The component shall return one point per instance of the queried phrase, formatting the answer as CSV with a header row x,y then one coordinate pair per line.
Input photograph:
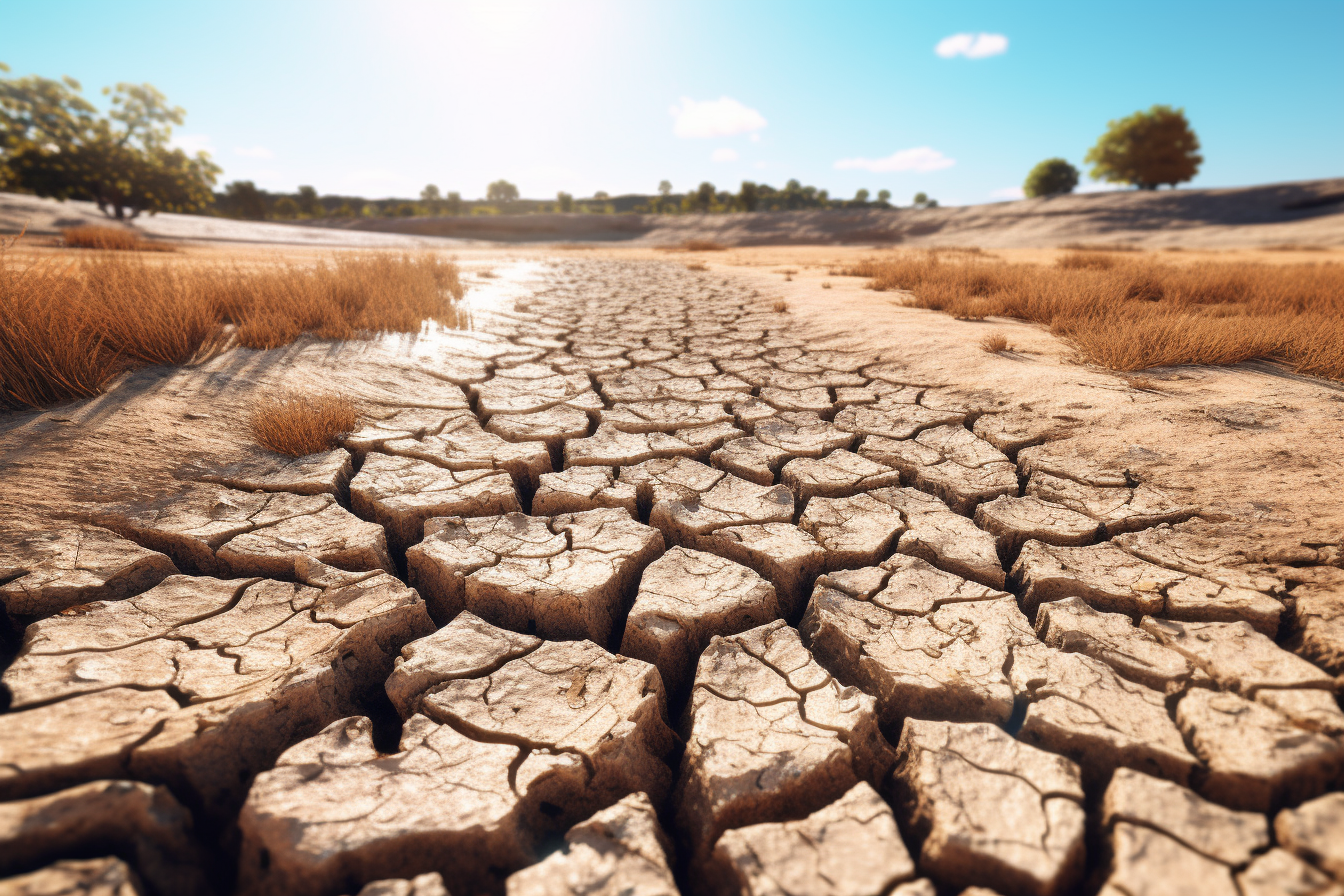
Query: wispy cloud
x,y
1007,193
723,155
723,117
253,152
972,46
919,158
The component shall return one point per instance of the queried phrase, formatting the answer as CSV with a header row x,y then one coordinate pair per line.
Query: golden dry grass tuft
x,y
299,424
69,325
779,306
995,342
697,266
695,246
112,239
1136,311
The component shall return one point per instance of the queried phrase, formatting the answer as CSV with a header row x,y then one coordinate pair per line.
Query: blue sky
x,y
381,98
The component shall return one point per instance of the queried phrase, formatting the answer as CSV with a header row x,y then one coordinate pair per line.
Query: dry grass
x,y
697,266
69,325
1137,311
995,342
780,306
113,239
300,424
695,246
1101,247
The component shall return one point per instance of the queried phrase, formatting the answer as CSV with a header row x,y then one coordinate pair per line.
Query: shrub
x,y
299,424
1050,178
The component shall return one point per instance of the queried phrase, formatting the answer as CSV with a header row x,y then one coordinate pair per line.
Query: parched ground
x,y
658,580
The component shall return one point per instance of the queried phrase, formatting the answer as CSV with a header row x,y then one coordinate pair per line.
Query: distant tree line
x,y
243,199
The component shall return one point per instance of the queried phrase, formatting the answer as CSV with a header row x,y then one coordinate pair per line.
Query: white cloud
x,y
1008,193
253,152
920,158
755,138
723,117
972,46
724,155
191,143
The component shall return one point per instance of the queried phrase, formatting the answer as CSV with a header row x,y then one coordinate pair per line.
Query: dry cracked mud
x,y
635,587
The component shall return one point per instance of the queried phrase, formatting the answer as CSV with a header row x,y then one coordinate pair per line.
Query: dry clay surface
x,y
635,588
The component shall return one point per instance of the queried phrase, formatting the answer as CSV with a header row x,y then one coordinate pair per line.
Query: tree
x,y
1147,149
664,188
601,196
309,204
565,201
747,198
921,198
501,191
286,207
242,199
1050,178
430,194
453,203
53,143
861,197
704,197
884,198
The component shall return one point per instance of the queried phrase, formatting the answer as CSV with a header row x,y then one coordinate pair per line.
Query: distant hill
x,y
1304,213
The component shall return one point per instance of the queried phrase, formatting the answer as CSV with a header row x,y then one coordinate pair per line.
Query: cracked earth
x,y
637,588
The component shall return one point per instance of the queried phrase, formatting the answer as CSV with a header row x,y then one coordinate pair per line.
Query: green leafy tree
x,y
1050,178
884,198
242,199
704,197
1147,149
747,197
286,207
452,203
601,196
309,205
664,188
501,191
565,201
921,198
53,143
861,198
430,194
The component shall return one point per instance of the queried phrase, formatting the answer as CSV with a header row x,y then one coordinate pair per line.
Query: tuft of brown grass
x,y
1142,384
1138,311
696,266
995,342
299,424
825,284
70,325
1101,247
780,306
695,246
111,239
1090,261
